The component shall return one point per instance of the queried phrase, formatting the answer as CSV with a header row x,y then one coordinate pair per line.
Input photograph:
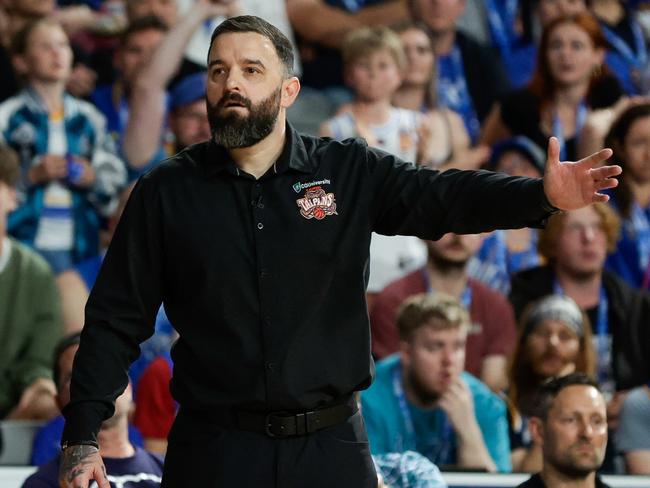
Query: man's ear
x,y
290,90
536,427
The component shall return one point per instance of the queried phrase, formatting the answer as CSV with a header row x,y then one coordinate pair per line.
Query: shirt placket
x,y
261,233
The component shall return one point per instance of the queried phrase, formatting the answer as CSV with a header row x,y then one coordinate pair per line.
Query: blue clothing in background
x,y
47,442
632,256
116,122
389,431
494,264
453,91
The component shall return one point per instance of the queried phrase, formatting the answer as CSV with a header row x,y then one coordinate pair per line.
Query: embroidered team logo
x,y
316,204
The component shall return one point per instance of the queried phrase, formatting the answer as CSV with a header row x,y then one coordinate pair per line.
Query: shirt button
x,y
270,366
260,225
264,273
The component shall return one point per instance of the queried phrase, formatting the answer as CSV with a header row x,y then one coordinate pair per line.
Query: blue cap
x,y
188,90
524,146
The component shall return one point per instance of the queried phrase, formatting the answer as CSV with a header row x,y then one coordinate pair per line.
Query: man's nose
x,y
233,82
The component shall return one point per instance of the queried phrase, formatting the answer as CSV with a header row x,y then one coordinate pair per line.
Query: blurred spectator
x,y
629,137
30,315
535,15
70,173
125,462
47,442
575,244
504,252
627,56
421,399
80,22
570,424
137,44
492,335
633,433
187,111
470,75
165,10
407,469
569,82
554,340
445,131
374,59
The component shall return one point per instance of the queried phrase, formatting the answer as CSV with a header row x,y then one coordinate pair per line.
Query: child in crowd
x,y
70,172
374,61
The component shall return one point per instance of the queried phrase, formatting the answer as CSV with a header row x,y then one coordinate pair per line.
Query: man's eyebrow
x,y
256,62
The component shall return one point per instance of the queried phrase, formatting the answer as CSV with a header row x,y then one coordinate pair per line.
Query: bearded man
x,y
257,244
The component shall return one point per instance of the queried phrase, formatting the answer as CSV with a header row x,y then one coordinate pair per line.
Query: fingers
x,y
596,159
553,151
101,478
605,172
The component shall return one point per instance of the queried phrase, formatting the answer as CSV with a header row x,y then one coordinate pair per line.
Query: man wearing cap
x,y
187,116
257,243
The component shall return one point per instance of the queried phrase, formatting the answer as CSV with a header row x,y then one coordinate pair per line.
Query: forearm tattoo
x,y
75,461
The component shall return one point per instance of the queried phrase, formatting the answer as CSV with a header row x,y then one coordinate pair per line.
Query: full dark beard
x,y
232,131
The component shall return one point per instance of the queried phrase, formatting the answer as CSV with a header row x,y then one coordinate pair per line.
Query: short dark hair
x,y
9,166
549,390
65,342
141,24
251,23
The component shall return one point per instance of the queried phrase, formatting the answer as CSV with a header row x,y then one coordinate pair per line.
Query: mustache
x,y
234,97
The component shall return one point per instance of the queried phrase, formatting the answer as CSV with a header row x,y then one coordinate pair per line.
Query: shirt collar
x,y
293,156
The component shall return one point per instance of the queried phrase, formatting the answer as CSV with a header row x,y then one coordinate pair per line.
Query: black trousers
x,y
203,455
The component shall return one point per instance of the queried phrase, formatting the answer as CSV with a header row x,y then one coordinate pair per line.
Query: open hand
x,y
572,185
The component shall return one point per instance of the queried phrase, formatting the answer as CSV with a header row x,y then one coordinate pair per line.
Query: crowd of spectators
x,y
466,329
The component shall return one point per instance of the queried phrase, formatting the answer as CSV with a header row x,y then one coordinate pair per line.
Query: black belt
x,y
287,424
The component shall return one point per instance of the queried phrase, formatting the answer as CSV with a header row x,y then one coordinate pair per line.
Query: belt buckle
x,y
267,424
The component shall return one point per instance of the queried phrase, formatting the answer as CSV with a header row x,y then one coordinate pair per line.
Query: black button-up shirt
x,y
264,279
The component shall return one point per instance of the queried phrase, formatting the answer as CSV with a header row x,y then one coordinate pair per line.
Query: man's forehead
x,y
579,398
242,45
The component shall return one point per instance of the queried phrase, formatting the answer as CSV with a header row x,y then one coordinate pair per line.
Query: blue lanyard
x,y
501,17
637,60
602,323
558,130
465,299
410,441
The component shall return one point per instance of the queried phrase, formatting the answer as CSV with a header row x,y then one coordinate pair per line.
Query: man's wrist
x,y
66,444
